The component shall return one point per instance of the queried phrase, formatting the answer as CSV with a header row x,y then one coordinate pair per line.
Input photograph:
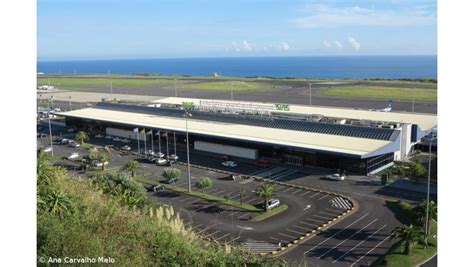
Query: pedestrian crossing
x,y
340,202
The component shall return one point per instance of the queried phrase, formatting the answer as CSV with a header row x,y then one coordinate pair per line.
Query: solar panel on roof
x,y
278,123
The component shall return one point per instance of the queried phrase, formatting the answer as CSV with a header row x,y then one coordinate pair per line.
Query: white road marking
x,y
292,237
310,224
305,193
360,243
307,207
340,243
340,231
286,190
315,215
304,228
315,195
289,230
244,216
186,199
296,191
330,214
325,196
309,219
380,243
245,227
223,236
213,233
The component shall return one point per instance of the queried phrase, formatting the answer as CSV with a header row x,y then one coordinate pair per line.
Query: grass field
x,y
380,92
70,83
226,85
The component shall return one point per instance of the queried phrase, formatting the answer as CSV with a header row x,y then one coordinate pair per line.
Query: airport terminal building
x,y
352,140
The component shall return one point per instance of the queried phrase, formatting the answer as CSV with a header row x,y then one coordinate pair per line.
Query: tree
x,y
171,173
81,136
265,191
102,158
419,213
417,171
409,235
204,183
132,166
123,187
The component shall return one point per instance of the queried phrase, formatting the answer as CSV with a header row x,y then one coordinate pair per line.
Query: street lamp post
x,y
186,114
428,193
50,135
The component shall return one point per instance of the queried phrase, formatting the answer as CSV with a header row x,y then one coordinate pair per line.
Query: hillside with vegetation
x,y
110,216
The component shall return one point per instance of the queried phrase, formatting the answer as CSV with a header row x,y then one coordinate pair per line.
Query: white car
x,y
159,154
108,137
65,141
273,203
126,148
125,140
161,161
98,136
336,177
74,155
150,152
74,144
229,163
173,157
118,139
47,149
97,163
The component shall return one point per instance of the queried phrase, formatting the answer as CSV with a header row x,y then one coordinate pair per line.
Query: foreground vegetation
x,y
110,216
413,247
380,92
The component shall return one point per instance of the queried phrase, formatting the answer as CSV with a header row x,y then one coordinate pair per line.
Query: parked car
x,y
47,149
74,144
161,161
71,130
173,157
262,163
158,187
97,163
172,181
117,139
126,148
125,140
234,176
150,152
336,177
74,155
273,203
108,137
65,141
159,154
43,135
151,159
230,164
98,136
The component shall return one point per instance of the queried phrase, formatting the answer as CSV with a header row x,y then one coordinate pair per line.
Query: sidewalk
x,y
407,185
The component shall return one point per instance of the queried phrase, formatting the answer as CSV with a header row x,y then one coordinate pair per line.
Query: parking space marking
x,y
186,199
376,246
325,196
219,192
289,230
310,224
360,243
336,211
316,215
280,239
286,190
233,239
330,214
296,191
307,192
289,236
309,219
223,236
340,243
213,233
250,201
304,228
212,190
315,195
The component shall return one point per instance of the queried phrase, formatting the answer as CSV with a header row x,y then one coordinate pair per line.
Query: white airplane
x,y
387,109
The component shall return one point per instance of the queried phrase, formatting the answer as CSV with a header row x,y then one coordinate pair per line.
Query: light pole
x,y
50,135
428,193
152,148
175,88
232,90
174,140
70,103
413,100
186,114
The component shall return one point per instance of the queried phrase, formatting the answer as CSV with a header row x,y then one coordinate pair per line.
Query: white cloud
x,y
246,46
327,44
324,16
337,44
236,47
354,43
285,46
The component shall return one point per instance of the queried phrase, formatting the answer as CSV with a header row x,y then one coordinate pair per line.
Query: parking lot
x,y
306,209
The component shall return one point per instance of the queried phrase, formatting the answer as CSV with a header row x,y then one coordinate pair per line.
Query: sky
x,y
124,29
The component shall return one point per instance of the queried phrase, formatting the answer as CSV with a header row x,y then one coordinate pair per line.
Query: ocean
x,y
339,67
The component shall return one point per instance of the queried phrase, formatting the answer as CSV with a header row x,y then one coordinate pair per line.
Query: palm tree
x,y
102,158
57,202
265,191
409,235
419,213
132,166
171,173
81,136
204,183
